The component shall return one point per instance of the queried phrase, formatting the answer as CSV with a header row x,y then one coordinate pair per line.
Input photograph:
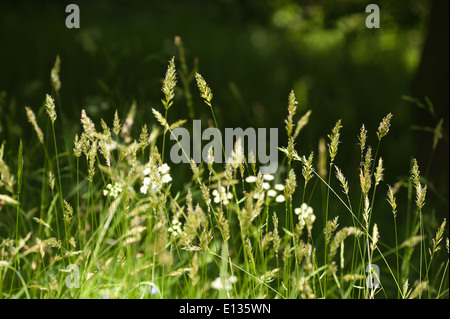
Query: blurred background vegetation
x,y
251,53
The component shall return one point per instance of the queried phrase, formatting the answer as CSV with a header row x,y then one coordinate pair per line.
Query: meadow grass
x,y
108,205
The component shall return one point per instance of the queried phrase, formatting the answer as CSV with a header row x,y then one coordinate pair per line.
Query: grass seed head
x,y
362,138
50,107
302,123
375,237
88,125
54,75
32,120
291,184
334,140
342,180
391,200
383,128
116,124
205,91
379,172
292,107
169,84
307,170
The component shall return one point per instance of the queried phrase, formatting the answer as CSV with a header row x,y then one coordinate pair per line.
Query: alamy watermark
x,y
73,279
373,19
234,143
373,276
73,19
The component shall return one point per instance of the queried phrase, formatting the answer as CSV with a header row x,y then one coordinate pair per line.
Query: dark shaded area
x,y
430,80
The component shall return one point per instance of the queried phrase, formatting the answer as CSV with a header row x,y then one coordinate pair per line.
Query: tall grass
x,y
227,231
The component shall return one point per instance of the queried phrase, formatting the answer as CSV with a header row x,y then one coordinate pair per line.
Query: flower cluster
x,y
272,193
175,229
221,195
112,191
152,181
306,216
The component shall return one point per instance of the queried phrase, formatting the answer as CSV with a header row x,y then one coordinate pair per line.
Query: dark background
x,y
251,53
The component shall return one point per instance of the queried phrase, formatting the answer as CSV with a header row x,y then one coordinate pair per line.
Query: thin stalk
x,y
164,139
325,223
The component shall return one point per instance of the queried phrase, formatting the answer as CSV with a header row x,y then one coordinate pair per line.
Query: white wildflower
x,y
152,181
251,179
175,229
144,189
112,191
266,186
221,195
306,215
271,193
166,179
163,169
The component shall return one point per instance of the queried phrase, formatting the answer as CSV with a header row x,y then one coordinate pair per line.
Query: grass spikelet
x,y
302,123
116,124
68,212
342,180
195,171
339,237
169,84
415,173
7,199
375,237
50,107
291,184
330,228
437,134
379,172
276,236
161,120
128,124
307,170
364,173
438,238
383,128
205,239
322,159
362,139
43,223
32,120
334,140
205,91
366,212
54,75
269,276
6,179
91,159
405,288
88,125
287,253
292,107
121,258
223,225
266,241
420,190
392,201
420,287
105,151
